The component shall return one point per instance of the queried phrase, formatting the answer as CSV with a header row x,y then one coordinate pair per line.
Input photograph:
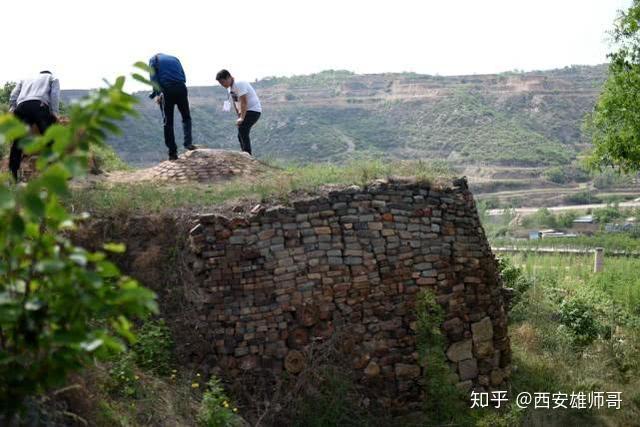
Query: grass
x,y
149,197
548,357
608,241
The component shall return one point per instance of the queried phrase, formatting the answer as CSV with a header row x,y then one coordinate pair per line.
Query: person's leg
x,y
243,137
240,135
244,130
182,100
167,107
43,118
27,112
15,158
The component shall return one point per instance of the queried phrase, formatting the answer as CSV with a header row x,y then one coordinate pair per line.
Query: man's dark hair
x,y
223,74
45,72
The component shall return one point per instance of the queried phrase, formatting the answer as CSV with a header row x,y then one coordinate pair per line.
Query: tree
x,y
60,305
5,92
614,124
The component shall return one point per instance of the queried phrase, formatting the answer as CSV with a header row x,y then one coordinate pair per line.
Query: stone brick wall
x,y
351,260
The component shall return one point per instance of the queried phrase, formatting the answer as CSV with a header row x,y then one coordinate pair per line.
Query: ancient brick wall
x,y
351,260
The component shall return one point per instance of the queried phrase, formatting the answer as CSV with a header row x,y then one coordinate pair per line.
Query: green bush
x,y
577,315
444,403
543,217
608,214
566,174
106,160
215,408
565,219
333,403
60,305
514,277
153,348
582,198
122,380
610,178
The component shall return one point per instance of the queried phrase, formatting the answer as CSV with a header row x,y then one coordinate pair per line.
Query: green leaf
x,y
11,128
17,225
7,200
118,248
33,305
123,327
61,136
50,266
55,212
34,204
107,269
91,345
55,179
79,258
143,66
33,146
120,82
142,79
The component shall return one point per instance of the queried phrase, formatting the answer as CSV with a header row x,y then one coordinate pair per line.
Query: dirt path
x,y
351,144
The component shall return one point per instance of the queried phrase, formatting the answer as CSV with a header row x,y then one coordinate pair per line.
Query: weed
x,y
216,409
153,348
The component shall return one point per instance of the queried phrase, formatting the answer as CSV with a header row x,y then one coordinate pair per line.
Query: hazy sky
x,y
85,41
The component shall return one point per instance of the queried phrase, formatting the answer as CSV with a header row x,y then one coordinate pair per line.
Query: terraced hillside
x,y
515,119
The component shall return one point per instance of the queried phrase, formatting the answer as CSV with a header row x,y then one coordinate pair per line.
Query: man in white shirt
x,y
36,102
246,104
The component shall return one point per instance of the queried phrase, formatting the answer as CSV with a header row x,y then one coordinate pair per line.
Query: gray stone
x,y
407,371
482,330
468,369
460,350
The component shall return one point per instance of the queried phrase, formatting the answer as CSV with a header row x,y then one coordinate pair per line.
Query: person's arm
x,y
13,98
242,92
153,75
54,97
243,108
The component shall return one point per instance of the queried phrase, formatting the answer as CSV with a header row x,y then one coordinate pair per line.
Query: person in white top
x,y
36,102
246,104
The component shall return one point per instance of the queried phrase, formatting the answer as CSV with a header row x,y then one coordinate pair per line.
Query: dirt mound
x,y
201,165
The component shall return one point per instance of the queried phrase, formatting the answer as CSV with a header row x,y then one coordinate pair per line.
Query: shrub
x,y
577,315
565,219
122,377
444,402
608,214
332,403
566,174
514,277
107,160
153,348
609,178
60,305
582,198
542,217
215,409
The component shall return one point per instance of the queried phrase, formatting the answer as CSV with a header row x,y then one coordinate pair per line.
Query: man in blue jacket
x,y
167,73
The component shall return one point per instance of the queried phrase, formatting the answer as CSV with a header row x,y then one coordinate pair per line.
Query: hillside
x,y
517,119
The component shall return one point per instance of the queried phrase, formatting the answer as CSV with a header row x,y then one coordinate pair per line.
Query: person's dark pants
x,y
250,119
32,113
175,95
